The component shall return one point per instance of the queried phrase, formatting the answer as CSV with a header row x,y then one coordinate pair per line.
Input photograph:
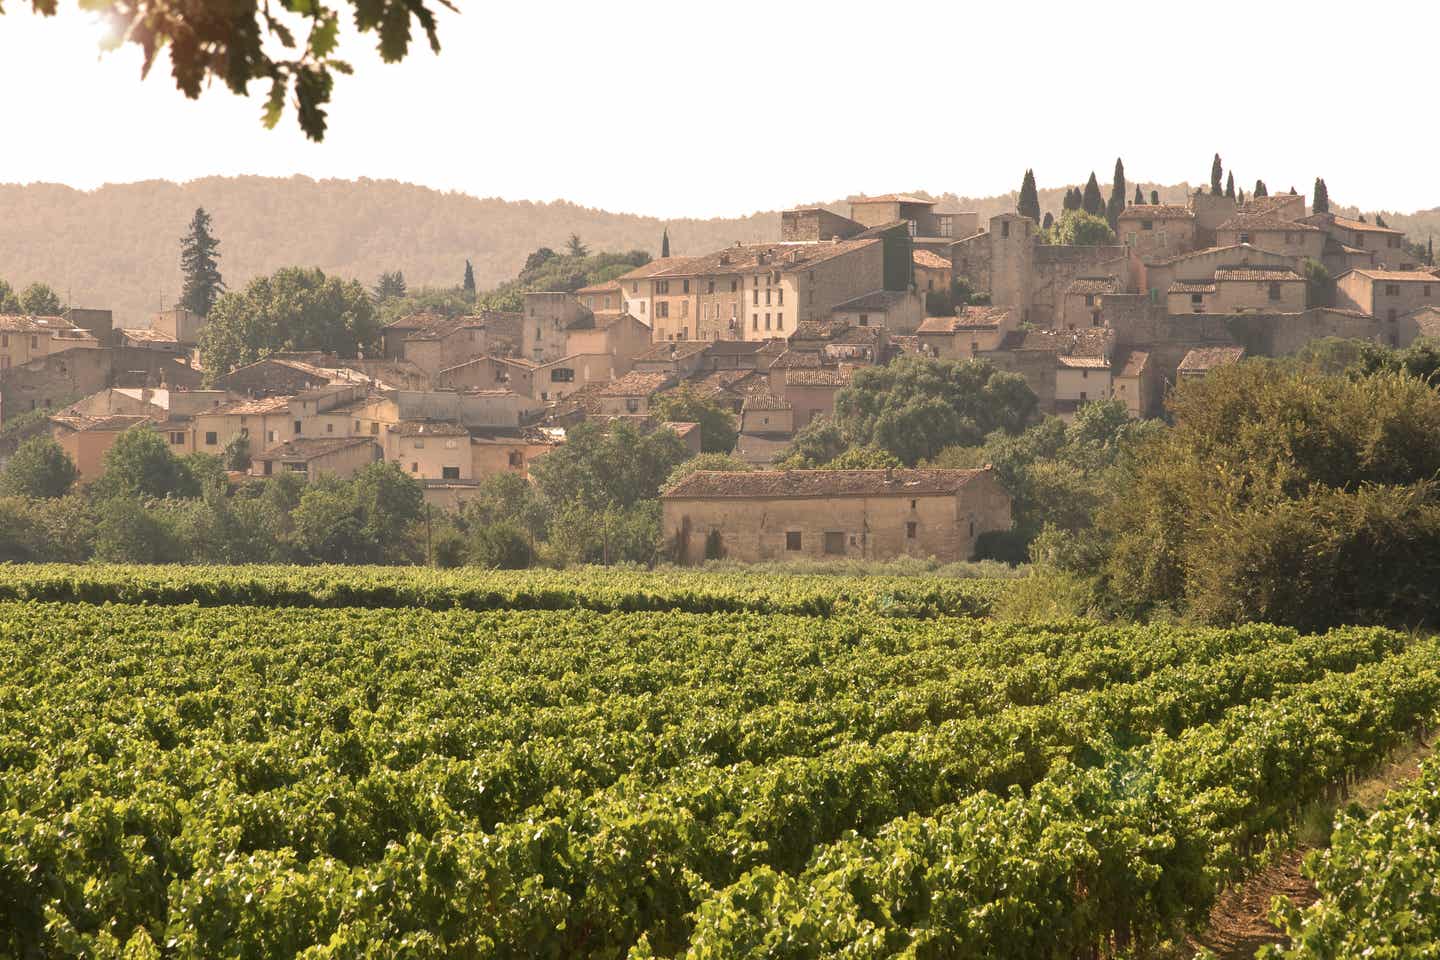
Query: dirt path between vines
x,y
1239,923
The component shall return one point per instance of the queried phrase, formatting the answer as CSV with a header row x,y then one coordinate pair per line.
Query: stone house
x,y
932,271
1080,379
631,394
918,214
1388,294
1295,239
616,335
1155,277
179,325
149,339
604,297
830,514
636,290
689,434
763,412
1387,243
88,439
430,449
898,311
1157,229
679,358
25,338
1286,206
1036,356
813,224
434,341
70,374
264,422
494,453
1132,383
1239,290
973,331
811,393
316,456
1084,304
1210,211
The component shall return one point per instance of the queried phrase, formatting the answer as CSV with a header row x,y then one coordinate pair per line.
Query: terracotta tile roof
x,y
1396,276
586,398
1257,273
797,359
787,257
906,344
1208,358
430,428
894,198
930,260
875,299
972,318
1083,363
609,286
1266,222
1134,364
680,428
763,399
251,408
113,423
146,335
635,384
1091,285
1211,251
305,449
24,323
1087,342
1333,246
1157,211
817,378
817,330
433,326
1192,286
736,348
654,268
674,350
1345,223
777,484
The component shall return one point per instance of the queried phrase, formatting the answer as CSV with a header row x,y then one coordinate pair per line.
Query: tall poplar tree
x,y
199,253
1028,205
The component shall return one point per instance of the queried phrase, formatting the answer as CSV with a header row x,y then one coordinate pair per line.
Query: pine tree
x,y
1321,201
1028,204
1116,204
468,284
1216,170
390,285
1155,197
1260,190
665,244
575,247
198,255
1139,197
1091,201
1230,185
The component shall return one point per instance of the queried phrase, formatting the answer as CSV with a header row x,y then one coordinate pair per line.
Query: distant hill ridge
x,y
117,246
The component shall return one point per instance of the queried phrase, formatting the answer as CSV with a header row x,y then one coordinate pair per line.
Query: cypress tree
x,y
198,253
1139,197
1321,201
1260,190
1380,221
1155,197
1430,250
1116,205
1230,185
1362,218
1215,172
1240,196
1091,201
1293,193
468,284
665,244
1028,205
1072,199
1049,221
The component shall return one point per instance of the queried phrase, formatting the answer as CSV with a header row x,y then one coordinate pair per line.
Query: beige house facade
x,y
1387,294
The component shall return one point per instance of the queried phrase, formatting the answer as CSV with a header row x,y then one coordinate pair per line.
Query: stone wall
x,y
71,374
1054,268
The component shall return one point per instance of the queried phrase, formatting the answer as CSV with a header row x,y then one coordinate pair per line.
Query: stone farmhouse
x,y
830,514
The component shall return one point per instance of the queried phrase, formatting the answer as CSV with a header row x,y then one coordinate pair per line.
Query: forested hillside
x,y
117,246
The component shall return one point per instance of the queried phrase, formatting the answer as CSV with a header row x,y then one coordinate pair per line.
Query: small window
x,y
1089,299
211,439
562,375
1390,314
329,428
835,542
792,540
1244,238
1274,291
1147,224
684,286
297,428
419,443
450,473
1004,234
414,467
269,436
632,405
864,319
913,503
1197,299
910,528
177,438
375,427
779,321
1392,289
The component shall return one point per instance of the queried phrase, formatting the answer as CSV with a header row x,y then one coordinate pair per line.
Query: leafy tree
x,y
1260,190
39,468
293,309
665,244
1028,204
327,525
598,468
128,532
818,442
9,302
237,454
139,464
1139,197
506,498
538,259
1116,204
248,42
1217,170
575,247
391,286
467,286
389,500
706,461
449,301
1076,227
39,300
718,430
21,539
1155,197
917,406
1320,203
199,251
863,458
1092,202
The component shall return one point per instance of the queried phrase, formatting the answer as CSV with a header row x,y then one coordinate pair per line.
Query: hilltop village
x,y
771,332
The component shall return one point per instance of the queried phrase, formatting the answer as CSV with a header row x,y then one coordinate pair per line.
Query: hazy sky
x,y
675,109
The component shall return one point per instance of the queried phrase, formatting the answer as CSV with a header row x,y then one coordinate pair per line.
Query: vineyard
x,y
265,762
